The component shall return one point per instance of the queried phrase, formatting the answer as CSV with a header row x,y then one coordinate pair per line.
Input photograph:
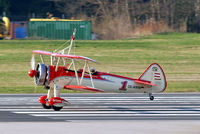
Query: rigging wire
x,y
59,48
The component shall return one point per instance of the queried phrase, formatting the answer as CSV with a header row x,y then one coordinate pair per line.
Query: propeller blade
x,y
33,62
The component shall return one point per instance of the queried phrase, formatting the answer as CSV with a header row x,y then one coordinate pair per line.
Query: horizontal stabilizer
x,y
144,82
82,88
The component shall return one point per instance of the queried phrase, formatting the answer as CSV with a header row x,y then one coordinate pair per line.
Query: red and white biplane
x,y
67,76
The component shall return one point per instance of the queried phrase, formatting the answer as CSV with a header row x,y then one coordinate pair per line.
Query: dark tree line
x,y
123,17
19,10
119,18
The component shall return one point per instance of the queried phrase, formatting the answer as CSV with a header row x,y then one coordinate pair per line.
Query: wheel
x,y
46,107
56,108
151,97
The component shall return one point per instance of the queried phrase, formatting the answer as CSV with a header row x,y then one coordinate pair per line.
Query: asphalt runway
x,y
103,113
96,107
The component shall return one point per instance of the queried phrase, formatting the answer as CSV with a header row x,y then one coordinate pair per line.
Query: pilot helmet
x,y
92,69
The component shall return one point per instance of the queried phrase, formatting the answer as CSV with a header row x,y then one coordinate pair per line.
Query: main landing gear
x,y
53,107
55,103
151,97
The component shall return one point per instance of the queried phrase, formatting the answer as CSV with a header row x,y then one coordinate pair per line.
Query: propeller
x,y
32,72
33,62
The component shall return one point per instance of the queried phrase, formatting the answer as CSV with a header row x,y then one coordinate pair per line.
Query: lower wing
x,y
82,88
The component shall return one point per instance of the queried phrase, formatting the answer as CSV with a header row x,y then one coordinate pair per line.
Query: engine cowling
x,y
41,75
40,78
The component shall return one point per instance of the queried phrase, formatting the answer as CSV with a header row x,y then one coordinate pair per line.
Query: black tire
x,y
46,107
151,98
56,108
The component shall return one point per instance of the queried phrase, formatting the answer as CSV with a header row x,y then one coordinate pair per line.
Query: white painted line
x,y
184,97
21,107
110,115
41,109
97,109
114,100
71,107
130,103
112,109
112,112
146,98
118,97
134,102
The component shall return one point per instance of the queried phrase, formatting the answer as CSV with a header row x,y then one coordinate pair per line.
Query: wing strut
x,y
90,76
42,59
83,73
57,64
85,68
77,79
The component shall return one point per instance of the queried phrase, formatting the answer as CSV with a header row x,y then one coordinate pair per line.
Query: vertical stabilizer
x,y
155,74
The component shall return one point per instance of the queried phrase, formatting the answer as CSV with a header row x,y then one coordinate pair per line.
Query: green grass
x,y
177,53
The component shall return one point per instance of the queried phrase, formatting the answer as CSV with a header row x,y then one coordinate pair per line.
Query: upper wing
x,y
82,88
42,52
63,55
144,82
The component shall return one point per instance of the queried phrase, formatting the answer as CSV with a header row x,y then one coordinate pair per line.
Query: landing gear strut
x,y
151,97
56,103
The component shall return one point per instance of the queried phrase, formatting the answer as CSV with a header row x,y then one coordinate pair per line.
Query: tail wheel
x,y
46,107
56,108
151,97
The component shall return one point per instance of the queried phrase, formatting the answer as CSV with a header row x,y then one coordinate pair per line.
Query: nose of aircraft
x,y
32,73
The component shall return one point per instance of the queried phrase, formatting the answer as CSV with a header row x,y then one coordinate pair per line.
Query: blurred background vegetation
x,y
113,19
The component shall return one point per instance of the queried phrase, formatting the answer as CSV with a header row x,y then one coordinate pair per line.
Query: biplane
x,y
63,73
